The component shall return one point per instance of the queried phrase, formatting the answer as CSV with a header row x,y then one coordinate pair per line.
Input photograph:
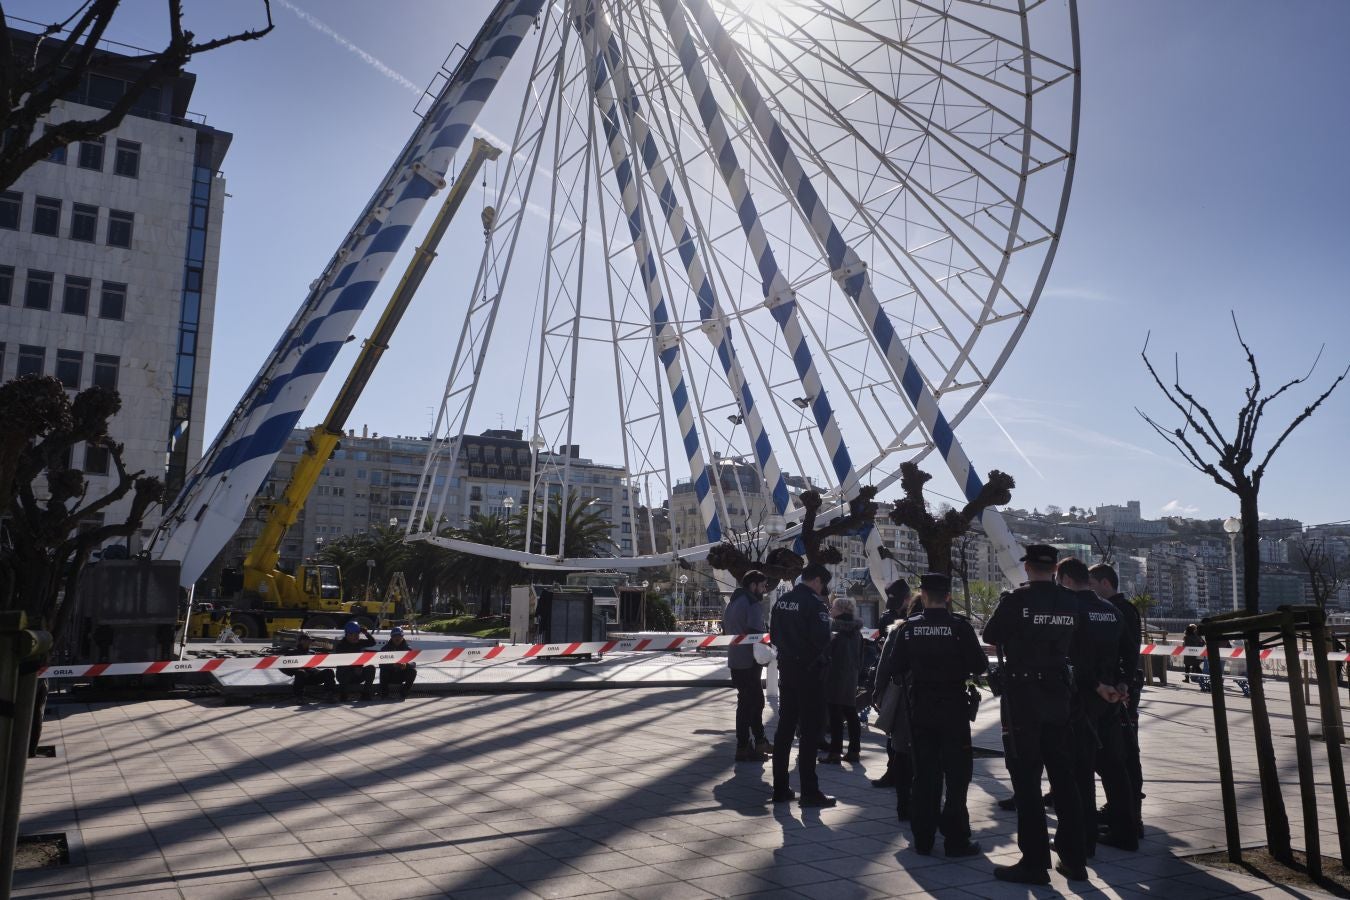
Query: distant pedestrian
x,y
355,638
746,613
800,625
937,653
1192,638
842,682
304,677
1033,626
397,675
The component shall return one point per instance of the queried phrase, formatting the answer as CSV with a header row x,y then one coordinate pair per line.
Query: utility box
x,y
522,614
126,611
566,615
631,612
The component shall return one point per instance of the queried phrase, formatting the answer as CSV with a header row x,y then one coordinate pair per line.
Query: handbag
x,y
886,710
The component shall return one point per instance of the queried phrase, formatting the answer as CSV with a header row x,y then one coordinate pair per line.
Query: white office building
x,y
108,258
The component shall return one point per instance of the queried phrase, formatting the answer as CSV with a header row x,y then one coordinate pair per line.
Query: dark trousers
x,y
749,705
842,714
1099,746
904,780
397,676
801,702
310,678
1191,664
1033,749
1133,766
364,676
943,764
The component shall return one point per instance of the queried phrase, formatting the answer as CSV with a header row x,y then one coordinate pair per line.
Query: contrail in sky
x,y
320,26
990,413
323,28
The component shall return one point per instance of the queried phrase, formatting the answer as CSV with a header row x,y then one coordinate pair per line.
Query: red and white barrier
x,y
507,652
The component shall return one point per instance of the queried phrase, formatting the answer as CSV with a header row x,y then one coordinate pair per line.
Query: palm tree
x,y
587,532
481,575
382,545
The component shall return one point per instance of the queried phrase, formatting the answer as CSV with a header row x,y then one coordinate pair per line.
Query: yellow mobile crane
x,y
263,598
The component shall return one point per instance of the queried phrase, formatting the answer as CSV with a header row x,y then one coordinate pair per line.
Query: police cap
x,y
1041,555
936,583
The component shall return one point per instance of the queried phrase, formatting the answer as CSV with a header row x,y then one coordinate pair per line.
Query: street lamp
x,y
684,579
393,521
370,571
507,503
1233,526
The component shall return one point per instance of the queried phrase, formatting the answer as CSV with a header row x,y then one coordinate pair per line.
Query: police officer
x,y
1033,627
936,653
1106,584
1100,648
799,626
898,772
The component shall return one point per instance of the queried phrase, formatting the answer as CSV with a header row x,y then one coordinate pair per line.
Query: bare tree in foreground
x,y
34,80
1231,461
44,498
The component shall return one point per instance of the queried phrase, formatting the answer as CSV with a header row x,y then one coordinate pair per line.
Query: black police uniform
x,y
937,652
1134,676
799,625
1034,627
1100,647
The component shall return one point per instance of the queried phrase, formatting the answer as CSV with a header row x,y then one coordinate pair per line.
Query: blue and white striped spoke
x,y
664,333
778,294
598,34
242,454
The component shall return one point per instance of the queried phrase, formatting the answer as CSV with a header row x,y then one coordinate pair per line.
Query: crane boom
x,y
261,563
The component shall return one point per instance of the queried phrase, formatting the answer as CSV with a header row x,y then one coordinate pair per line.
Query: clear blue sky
x,y
1211,177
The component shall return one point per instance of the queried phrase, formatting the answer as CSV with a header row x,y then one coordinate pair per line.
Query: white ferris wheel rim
x,y
965,56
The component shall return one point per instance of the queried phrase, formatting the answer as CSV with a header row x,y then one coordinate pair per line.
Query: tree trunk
x,y
1272,800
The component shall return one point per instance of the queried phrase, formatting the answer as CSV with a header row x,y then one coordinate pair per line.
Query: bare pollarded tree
x,y
938,533
782,564
1233,461
35,75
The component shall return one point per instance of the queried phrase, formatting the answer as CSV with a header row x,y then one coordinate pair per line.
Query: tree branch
x,y
1186,413
1260,470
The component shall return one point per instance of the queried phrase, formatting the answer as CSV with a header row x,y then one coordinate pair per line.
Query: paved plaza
x,y
596,793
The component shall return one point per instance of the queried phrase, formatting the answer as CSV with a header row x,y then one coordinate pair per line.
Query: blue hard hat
x,y
352,627
396,631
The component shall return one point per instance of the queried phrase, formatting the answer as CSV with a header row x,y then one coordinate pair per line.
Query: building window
x,y
11,202
31,360
37,293
95,460
128,159
105,370
69,364
47,216
83,222
6,284
112,301
75,299
91,155
119,228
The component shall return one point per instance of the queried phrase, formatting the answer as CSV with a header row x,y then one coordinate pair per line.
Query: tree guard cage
x,y
1290,623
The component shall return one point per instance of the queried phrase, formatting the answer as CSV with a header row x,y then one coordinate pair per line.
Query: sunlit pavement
x,y
618,793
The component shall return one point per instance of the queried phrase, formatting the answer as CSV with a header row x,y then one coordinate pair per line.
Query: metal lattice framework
x,y
802,234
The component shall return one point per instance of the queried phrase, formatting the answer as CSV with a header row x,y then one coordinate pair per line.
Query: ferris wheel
x,y
799,237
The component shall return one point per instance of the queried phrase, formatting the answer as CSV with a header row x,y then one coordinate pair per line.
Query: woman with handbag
x,y
842,682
